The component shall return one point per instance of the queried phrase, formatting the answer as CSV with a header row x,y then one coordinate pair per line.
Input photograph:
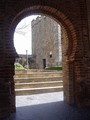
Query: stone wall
x,y
46,40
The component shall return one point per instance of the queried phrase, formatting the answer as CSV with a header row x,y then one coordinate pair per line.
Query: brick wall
x,y
72,16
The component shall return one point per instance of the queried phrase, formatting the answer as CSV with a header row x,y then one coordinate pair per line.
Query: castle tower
x,y
46,42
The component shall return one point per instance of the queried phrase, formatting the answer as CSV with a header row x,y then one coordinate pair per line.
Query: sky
x,y
22,36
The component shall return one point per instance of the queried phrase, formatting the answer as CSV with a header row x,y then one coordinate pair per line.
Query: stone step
x,y
41,74
34,71
29,82
38,79
38,84
38,90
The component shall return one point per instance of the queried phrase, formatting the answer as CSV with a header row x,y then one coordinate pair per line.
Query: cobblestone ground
x,y
47,107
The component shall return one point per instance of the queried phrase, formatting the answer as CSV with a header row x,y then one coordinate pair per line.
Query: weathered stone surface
x,y
46,41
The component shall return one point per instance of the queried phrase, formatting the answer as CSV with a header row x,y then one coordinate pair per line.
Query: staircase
x,y
29,82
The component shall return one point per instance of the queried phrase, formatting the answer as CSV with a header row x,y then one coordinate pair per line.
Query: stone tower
x,y
46,42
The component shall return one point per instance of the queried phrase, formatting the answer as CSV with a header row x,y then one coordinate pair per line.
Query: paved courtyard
x,y
47,107
38,99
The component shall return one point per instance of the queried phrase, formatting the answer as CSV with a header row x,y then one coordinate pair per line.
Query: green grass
x,y
54,68
18,66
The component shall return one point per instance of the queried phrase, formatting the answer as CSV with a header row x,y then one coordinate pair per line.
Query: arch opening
x,y
68,38
46,56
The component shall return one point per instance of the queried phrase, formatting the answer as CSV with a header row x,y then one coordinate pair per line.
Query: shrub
x,y
54,68
18,66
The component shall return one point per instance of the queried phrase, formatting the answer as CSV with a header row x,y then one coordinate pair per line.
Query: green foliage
x,y
18,66
54,68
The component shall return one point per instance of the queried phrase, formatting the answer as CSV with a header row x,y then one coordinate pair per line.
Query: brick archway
x,y
76,56
68,41
58,16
